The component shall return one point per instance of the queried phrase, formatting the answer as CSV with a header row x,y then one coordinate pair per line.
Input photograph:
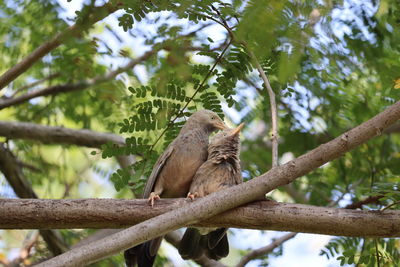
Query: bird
x,y
221,170
173,172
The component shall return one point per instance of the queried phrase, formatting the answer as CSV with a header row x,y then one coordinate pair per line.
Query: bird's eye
x,y
212,117
224,134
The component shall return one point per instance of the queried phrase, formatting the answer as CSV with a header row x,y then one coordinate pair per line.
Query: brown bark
x,y
263,215
59,135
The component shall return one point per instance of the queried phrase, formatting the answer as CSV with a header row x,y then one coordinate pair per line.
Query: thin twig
x,y
368,200
254,254
194,94
52,76
378,261
274,113
391,205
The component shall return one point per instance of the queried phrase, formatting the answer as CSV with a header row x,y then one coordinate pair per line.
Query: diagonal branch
x,y
218,202
254,254
57,89
81,85
98,13
9,166
30,85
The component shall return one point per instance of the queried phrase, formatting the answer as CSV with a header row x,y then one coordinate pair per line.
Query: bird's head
x,y
225,144
227,136
207,119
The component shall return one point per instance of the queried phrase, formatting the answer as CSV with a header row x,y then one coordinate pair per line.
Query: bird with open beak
x,y
221,170
173,173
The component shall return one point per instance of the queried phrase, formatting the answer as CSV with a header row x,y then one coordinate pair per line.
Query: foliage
x,y
363,252
331,64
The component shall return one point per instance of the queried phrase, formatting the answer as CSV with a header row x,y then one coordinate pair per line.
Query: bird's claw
x,y
153,196
192,196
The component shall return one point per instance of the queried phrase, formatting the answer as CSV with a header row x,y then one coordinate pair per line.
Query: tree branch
x,y
12,172
59,135
98,13
262,215
254,254
274,112
57,89
218,202
30,85
361,203
9,166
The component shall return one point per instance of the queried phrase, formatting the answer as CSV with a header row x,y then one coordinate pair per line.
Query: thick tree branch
x,y
254,254
9,166
98,13
218,202
59,135
262,215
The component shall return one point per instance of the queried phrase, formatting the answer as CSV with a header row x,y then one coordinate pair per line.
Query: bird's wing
x,y
238,178
156,170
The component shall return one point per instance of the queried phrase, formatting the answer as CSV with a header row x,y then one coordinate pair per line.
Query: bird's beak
x,y
238,129
221,125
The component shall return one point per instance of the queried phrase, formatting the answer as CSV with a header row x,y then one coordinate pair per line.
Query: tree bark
x,y
262,215
59,135
221,201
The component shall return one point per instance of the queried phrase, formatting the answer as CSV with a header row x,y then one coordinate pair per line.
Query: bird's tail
x,y
144,254
214,245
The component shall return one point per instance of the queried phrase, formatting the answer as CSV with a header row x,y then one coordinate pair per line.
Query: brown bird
x,y
221,170
173,173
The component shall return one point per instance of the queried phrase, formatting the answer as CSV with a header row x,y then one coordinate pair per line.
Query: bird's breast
x,y
181,168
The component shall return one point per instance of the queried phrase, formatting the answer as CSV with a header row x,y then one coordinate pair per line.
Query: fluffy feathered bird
x,y
173,173
221,170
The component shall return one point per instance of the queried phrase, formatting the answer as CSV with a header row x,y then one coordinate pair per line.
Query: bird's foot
x,y
192,196
153,196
